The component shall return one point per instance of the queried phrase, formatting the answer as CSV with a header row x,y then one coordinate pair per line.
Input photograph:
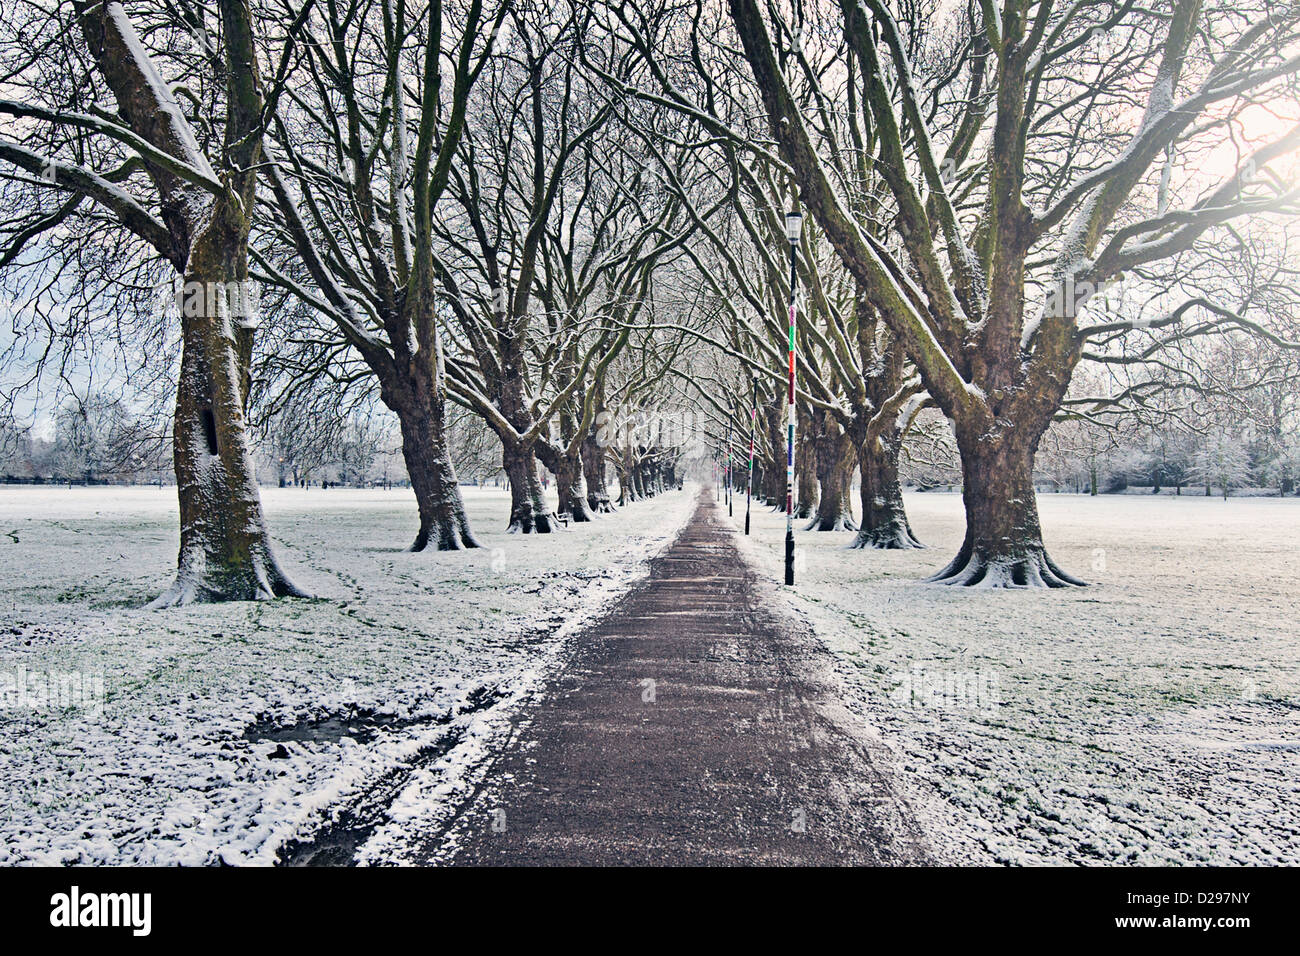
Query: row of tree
x,y
98,439
323,154
1001,197
1020,212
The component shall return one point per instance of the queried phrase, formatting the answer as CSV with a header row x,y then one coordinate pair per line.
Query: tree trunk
x,y
528,511
225,552
593,470
806,489
833,454
626,477
428,464
638,481
775,488
1003,547
884,519
624,470
570,482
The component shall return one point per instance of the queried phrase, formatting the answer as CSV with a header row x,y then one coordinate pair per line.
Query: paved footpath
x,y
694,725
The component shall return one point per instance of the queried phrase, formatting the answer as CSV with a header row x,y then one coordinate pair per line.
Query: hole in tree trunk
x,y
210,430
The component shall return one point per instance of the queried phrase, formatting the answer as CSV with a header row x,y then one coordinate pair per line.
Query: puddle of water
x,y
362,727
337,842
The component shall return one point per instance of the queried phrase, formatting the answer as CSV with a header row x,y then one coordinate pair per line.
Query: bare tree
x,y
548,258
367,156
195,215
1063,186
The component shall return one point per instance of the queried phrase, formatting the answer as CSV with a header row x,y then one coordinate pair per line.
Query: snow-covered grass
x,y
1153,717
168,771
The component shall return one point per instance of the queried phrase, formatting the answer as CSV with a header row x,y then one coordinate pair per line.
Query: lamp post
x,y
730,511
793,227
753,422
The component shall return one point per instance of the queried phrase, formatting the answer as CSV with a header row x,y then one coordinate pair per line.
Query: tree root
x,y
838,523
1033,569
542,522
579,511
891,537
449,535
262,580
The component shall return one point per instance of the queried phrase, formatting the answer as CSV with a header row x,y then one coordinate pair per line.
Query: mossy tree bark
x,y
774,473
529,513
594,470
879,439
570,481
421,411
571,486
834,461
225,550
884,518
1003,546
807,491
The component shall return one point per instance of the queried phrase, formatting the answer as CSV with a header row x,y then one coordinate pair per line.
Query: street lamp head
x,y
793,225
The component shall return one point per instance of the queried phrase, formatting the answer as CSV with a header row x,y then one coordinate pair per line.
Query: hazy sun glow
x,y
1255,127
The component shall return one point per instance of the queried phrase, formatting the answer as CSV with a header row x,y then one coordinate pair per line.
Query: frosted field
x,y
1151,718
444,645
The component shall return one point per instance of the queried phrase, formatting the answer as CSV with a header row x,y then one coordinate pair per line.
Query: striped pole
x,y
793,226
730,512
749,479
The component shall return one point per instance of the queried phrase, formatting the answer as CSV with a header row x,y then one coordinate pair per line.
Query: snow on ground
x,y
1153,717
183,757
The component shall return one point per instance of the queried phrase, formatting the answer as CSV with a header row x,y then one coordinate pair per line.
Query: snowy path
x,y
693,726
250,733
